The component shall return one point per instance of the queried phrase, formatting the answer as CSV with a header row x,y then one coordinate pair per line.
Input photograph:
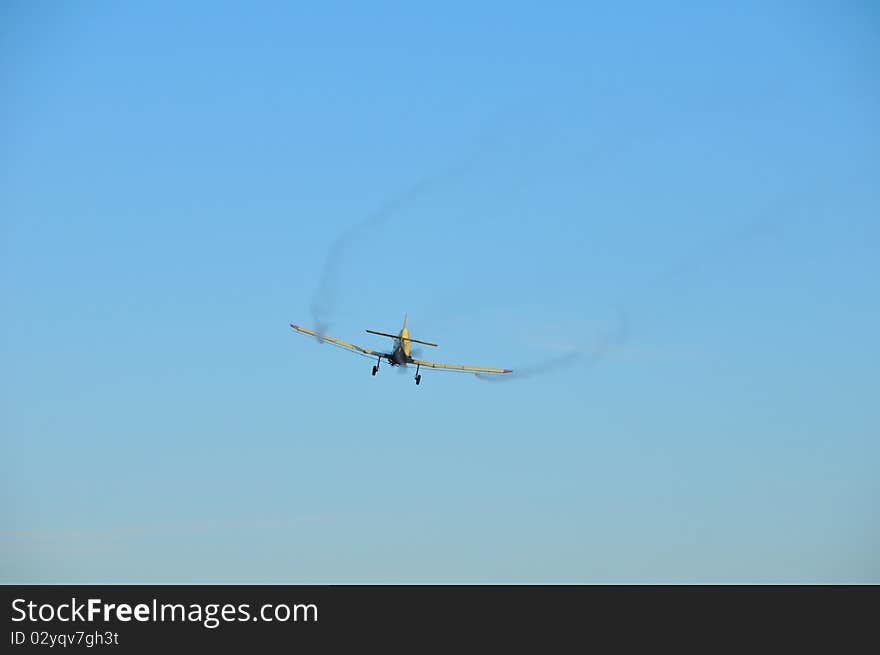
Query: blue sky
x,y
685,198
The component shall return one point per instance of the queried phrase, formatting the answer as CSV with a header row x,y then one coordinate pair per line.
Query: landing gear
x,y
376,366
418,377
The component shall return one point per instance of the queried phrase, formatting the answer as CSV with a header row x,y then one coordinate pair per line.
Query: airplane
x,y
401,354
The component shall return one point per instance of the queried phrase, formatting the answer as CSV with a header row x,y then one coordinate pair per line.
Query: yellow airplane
x,y
400,356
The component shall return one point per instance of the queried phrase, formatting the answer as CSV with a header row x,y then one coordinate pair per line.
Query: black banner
x,y
154,618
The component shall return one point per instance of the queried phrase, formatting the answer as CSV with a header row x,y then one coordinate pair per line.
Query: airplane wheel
x,y
418,379
375,368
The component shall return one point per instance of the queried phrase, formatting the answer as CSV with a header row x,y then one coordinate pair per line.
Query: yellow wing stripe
x,y
475,369
344,344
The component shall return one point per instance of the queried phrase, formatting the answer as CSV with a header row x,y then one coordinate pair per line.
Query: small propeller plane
x,y
401,354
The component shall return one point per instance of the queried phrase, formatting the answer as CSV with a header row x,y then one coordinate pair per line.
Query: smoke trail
x,y
712,252
591,357
324,299
323,303
703,260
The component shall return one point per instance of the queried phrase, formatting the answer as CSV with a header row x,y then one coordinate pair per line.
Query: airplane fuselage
x,y
402,348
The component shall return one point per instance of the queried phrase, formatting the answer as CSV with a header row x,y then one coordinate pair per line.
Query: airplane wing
x,y
474,369
349,346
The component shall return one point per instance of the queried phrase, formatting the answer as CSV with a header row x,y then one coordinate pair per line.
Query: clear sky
x,y
664,217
